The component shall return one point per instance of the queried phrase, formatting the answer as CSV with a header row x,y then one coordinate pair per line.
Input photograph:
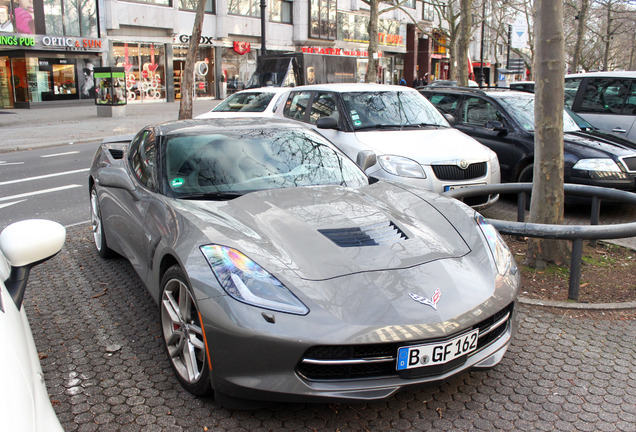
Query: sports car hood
x,y
329,231
426,145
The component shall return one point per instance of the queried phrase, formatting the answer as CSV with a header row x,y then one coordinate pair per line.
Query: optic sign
x,y
519,37
242,47
52,42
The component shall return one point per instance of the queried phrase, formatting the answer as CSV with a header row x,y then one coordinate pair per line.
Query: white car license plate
x,y
410,357
453,187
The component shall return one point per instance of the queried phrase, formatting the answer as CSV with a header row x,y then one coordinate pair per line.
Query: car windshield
x,y
381,109
522,109
230,163
245,102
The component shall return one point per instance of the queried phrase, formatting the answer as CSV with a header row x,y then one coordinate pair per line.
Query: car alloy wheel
x,y
98,228
183,333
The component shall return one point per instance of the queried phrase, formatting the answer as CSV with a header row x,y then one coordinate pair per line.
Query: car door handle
x,y
619,130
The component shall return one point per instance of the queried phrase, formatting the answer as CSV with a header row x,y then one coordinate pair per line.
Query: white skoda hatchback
x,y
413,142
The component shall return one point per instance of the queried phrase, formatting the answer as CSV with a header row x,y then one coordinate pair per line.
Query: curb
x,y
578,306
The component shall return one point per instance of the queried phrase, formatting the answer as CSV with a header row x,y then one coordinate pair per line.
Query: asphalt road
x,y
98,335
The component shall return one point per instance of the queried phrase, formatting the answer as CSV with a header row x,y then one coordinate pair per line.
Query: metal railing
x,y
576,233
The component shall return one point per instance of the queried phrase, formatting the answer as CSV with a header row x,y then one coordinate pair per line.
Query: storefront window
x,y
64,79
249,8
191,5
323,19
204,83
145,70
354,28
156,2
237,69
6,89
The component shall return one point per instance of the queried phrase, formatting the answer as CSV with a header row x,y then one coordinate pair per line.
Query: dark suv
x,y
504,121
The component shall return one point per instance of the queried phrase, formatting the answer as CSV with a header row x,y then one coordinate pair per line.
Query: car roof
x,y
352,87
613,74
493,92
204,126
270,89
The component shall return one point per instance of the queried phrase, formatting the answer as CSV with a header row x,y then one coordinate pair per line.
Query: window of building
x,y
145,70
155,2
249,8
428,12
281,11
322,19
54,17
191,5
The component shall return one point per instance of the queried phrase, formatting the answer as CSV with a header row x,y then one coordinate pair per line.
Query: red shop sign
x,y
242,47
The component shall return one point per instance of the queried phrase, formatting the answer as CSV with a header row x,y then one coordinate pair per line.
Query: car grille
x,y
453,172
371,235
630,163
343,362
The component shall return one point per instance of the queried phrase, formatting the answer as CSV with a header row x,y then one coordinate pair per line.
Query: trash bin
x,y
110,91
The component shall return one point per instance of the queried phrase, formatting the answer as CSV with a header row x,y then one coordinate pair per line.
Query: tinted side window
x,y
571,87
296,106
605,96
445,103
324,105
143,157
630,102
478,111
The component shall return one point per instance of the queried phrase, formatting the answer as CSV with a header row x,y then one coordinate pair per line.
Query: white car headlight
x,y
249,283
604,164
499,249
401,166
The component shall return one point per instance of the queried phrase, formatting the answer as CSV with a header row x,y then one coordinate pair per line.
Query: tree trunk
x,y
187,77
580,34
372,68
547,192
465,25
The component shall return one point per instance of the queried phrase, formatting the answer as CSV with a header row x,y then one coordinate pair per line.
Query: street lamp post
x,y
263,21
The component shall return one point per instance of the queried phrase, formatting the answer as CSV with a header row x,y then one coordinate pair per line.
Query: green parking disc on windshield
x,y
177,182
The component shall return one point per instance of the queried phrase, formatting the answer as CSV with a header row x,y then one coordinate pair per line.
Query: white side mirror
x,y
26,244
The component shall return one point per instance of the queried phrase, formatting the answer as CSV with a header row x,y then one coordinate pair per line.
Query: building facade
x,y
48,51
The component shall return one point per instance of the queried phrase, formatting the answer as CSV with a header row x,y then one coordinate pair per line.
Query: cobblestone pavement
x,y
97,331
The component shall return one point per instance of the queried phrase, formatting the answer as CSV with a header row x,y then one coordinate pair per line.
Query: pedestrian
x,y
403,81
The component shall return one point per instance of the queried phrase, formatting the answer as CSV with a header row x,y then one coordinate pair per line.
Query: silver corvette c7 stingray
x,y
284,273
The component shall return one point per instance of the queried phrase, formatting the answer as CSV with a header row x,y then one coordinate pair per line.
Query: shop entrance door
x,y
6,90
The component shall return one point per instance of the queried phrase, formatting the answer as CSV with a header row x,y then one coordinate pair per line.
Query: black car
x,y
503,120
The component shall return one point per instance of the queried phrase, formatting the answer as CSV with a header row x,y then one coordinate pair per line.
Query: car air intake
x,y
116,153
453,172
384,233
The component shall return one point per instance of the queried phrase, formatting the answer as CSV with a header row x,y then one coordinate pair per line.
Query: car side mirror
x,y
450,118
327,123
495,126
26,244
366,159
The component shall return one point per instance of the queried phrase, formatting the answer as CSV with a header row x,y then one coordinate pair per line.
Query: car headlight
x,y
401,166
494,163
249,283
604,164
499,249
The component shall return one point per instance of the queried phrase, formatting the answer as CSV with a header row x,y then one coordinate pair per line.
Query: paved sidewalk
x,y
23,129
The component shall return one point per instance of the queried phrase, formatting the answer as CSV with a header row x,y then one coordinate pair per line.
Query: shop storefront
x,y
37,69
204,79
238,65
145,66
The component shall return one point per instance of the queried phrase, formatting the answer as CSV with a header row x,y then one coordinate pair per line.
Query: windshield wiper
x,y
379,126
213,196
425,125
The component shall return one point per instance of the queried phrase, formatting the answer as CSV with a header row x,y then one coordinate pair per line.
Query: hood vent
x,y
384,233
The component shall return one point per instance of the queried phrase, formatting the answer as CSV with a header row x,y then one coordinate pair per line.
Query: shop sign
x,y
242,47
390,39
71,43
336,51
185,39
17,41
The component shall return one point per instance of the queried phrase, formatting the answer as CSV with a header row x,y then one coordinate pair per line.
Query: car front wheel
x,y
183,333
98,227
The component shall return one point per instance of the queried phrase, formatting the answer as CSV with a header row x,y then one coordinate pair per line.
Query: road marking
x,y
11,163
10,204
40,192
59,154
43,176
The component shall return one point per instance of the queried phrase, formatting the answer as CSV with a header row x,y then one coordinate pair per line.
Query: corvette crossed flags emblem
x,y
432,302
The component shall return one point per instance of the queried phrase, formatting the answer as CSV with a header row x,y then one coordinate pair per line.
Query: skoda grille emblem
x,y
463,164
432,302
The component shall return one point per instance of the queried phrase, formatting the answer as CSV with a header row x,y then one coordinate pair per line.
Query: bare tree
x,y
465,27
581,19
547,191
187,82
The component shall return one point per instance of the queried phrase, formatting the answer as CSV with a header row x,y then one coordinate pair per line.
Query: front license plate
x,y
416,356
453,187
